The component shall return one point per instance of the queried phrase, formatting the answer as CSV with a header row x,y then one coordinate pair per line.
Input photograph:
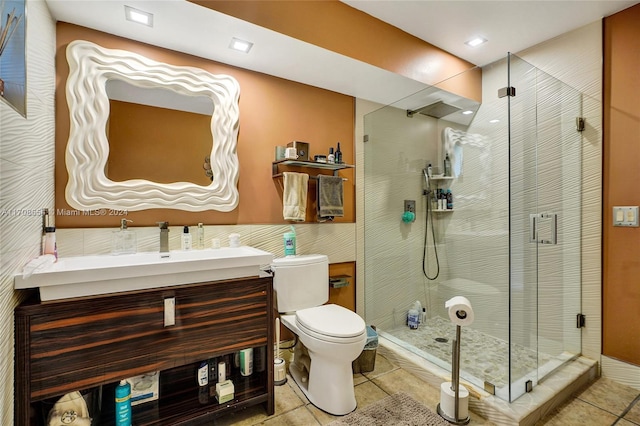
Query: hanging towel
x,y
294,197
330,197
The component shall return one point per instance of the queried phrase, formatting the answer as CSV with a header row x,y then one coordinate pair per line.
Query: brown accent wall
x,y
621,245
273,111
340,28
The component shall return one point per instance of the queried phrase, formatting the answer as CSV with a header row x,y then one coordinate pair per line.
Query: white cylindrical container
x,y
448,401
234,240
279,371
246,362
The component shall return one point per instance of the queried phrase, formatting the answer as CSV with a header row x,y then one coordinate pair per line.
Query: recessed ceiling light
x,y
475,42
139,16
467,112
240,45
494,121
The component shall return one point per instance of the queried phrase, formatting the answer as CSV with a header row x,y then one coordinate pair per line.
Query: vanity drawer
x,y
80,343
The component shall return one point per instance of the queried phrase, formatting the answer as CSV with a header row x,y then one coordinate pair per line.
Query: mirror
x,y
91,184
157,134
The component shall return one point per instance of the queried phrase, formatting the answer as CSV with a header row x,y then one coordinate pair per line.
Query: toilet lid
x,y
331,320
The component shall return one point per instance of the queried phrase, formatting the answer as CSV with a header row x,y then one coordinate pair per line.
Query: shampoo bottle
x,y
447,165
449,200
123,404
186,239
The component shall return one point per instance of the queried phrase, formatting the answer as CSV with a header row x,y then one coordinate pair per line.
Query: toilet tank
x,y
301,282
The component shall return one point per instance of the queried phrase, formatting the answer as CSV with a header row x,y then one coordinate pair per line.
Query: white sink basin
x,y
94,275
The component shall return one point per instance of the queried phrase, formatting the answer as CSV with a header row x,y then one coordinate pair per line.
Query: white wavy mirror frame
x,y
90,66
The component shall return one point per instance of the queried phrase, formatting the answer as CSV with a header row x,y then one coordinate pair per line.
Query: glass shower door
x,y
544,203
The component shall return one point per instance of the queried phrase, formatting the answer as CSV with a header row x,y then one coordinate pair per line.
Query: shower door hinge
x,y
506,91
580,320
528,386
365,138
580,122
489,387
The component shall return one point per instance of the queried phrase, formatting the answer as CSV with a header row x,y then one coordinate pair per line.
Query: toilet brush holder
x,y
279,372
279,366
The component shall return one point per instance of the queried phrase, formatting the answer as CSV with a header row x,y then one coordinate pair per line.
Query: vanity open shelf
x,y
275,167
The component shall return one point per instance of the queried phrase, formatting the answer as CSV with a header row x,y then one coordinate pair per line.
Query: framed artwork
x,y
13,69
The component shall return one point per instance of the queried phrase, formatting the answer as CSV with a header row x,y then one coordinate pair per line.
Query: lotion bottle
x,y
123,404
50,246
186,239
200,236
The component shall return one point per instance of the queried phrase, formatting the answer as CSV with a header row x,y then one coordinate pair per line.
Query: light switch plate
x,y
625,216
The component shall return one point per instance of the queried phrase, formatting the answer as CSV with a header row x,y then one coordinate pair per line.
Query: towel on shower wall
x,y
294,197
330,197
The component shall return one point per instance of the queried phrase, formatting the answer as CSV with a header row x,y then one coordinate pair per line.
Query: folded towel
x,y
330,197
294,197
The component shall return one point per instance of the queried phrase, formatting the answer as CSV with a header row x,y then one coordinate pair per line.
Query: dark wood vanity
x,y
79,344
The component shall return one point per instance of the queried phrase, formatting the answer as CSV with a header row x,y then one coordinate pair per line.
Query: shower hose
x,y
429,218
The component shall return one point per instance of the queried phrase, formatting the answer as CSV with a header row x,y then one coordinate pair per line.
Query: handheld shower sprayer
x,y
427,175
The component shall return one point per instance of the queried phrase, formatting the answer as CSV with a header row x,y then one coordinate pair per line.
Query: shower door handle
x,y
545,224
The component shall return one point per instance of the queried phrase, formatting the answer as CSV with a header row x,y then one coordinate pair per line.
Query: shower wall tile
x,y
480,208
26,181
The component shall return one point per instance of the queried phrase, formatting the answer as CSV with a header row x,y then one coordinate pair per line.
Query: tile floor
x,y
604,402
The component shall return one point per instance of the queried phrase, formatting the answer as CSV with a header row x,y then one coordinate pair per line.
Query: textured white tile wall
x,y
574,58
336,240
26,180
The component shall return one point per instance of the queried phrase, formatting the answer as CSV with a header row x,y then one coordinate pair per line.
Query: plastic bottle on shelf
x,y
338,155
331,158
123,404
447,165
449,200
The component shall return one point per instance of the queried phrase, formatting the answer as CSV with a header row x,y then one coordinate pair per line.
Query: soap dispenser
x,y
124,241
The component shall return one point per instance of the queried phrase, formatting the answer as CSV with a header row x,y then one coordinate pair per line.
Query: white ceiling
x,y
510,26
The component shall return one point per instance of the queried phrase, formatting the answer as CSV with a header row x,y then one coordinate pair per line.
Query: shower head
x,y
436,110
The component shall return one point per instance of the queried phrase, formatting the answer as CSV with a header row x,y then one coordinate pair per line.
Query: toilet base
x,y
327,386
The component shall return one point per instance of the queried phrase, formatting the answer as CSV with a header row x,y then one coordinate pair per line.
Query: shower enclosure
x,y
511,242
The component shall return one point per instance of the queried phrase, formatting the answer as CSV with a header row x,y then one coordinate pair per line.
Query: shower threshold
x,y
548,394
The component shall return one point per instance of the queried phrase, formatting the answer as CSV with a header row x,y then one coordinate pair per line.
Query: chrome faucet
x,y
164,239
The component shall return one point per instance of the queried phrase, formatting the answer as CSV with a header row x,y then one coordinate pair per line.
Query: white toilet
x,y
330,337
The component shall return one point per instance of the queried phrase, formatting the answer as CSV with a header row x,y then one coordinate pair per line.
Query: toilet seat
x,y
331,323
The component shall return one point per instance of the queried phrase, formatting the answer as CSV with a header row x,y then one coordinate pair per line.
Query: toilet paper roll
x,y
448,401
460,310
